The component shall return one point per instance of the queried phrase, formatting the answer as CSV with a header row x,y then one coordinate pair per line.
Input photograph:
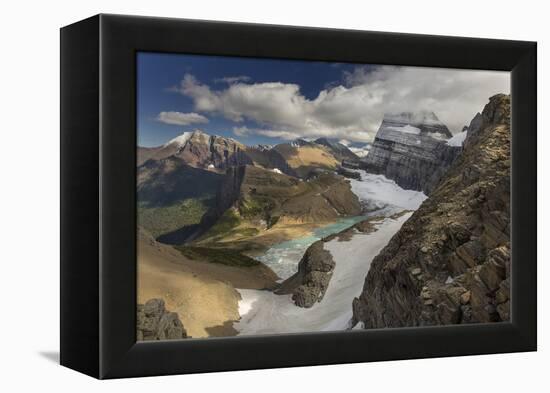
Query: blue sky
x,y
270,101
157,73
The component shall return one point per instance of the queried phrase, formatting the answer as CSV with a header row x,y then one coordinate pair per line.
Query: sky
x,y
269,101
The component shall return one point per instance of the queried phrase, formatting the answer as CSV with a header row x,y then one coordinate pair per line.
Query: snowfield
x,y
377,192
263,312
457,139
180,140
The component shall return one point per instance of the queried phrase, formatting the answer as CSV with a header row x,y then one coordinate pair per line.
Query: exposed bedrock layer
x,y
155,323
412,150
450,262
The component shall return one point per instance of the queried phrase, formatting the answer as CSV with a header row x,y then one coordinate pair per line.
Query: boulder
x,y
154,322
309,284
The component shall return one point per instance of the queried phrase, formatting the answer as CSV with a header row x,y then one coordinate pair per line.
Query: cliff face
x,y
450,262
412,150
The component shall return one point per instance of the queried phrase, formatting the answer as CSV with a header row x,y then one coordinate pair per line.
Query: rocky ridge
x,y
450,262
338,150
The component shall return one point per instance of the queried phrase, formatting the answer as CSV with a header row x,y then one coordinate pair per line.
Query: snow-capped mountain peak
x,y
180,140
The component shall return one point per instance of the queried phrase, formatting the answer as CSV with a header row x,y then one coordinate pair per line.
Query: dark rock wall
x,y
450,262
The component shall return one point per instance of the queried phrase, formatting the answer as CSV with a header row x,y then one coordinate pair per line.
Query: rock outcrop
x,y
309,284
411,149
155,323
349,174
450,262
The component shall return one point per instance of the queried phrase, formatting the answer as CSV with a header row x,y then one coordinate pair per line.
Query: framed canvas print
x,y
297,196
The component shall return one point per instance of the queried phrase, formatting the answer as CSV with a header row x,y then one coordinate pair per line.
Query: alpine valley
x,y
318,235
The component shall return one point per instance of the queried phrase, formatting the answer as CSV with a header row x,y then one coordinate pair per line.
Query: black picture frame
x,y
98,196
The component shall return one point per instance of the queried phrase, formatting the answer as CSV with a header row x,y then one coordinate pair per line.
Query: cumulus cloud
x,y
241,131
181,119
245,131
233,79
352,110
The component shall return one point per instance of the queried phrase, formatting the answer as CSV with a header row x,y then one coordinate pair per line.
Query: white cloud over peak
x,y
354,109
181,119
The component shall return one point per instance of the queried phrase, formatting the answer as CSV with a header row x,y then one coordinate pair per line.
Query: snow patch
x,y
377,192
360,325
277,170
439,136
360,151
407,129
457,139
420,117
263,312
180,140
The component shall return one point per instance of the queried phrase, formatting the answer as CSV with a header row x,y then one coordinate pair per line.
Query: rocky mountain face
x,y
258,198
155,323
199,150
165,181
269,159
203,151
258,192
339,151
450,262
411,149
309,284
211,152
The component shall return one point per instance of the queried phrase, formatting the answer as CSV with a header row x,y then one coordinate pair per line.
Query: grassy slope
x,y
165,219
306,158
217,255
274,208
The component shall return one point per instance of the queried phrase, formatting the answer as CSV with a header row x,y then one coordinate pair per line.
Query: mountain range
x,y
201,186
201,150
205,198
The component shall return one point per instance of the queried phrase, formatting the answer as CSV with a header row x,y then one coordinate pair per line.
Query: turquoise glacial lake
x,y
283,258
